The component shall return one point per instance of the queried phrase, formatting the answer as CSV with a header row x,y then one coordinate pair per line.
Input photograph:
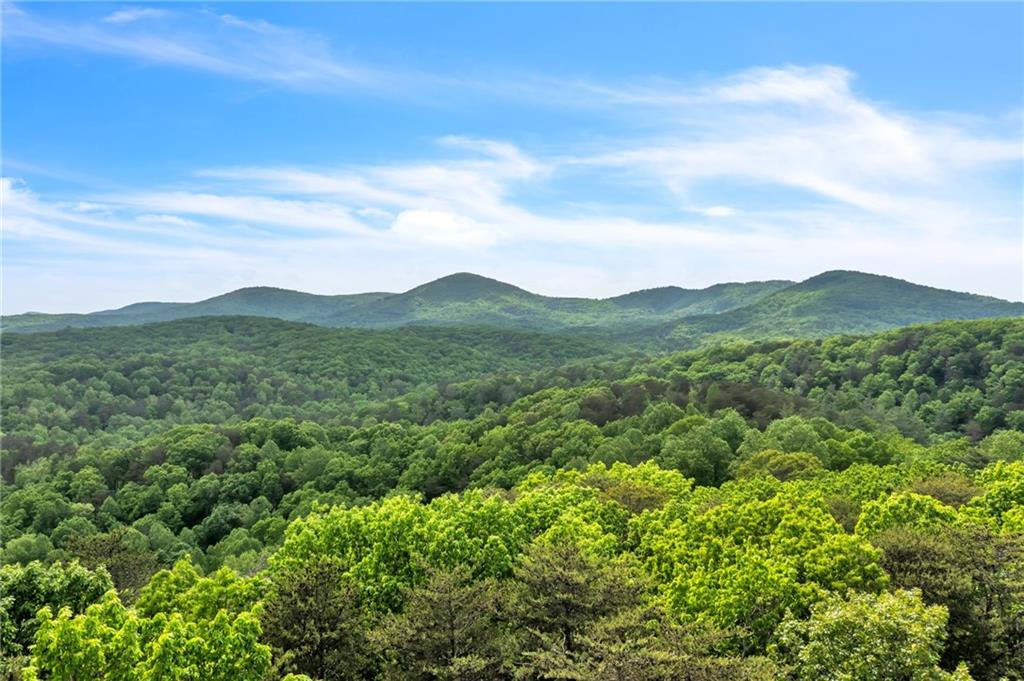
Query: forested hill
x,y
253,499
838,302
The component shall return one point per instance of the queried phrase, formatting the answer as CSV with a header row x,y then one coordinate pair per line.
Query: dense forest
x,y
241,498
64,388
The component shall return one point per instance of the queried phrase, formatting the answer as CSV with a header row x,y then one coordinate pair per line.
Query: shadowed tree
x,y
313,623
450,629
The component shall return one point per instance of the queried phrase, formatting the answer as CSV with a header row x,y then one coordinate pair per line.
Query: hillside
x,y
456,300
259,301
837,302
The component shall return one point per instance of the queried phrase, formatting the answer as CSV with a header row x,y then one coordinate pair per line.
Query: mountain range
x,y
830,303
459,299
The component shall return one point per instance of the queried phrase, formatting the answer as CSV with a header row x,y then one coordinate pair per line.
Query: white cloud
x,y
717,211
128,15
174,220
825,85
52,228
200,40
441,227
805,129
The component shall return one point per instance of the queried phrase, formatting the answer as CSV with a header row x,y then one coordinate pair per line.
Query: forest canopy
x,y
212,504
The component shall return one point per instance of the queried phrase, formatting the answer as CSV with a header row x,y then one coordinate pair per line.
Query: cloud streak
x,y
205,41
129,15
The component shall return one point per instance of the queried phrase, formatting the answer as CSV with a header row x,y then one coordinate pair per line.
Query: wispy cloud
x,y
128,15
247,210
766,173
806,129
200,40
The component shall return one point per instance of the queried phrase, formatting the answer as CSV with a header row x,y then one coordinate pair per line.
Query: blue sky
x,y
176,151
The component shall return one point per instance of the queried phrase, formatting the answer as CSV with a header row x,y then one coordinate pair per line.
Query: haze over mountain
x,y
829,303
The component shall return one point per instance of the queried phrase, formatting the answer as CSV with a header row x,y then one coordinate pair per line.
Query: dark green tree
x,y
979,577
312,621
451,629
561,592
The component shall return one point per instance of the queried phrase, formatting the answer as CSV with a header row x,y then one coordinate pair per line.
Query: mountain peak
x,y
464,286
852,282
833,276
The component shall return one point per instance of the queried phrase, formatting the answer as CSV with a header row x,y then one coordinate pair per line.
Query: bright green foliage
x,y
386,547
781,465
865,638
182,590
905,509
1003,485
125,644
744,563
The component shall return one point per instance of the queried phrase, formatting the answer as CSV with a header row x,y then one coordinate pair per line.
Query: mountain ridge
x,y
835,301
461,298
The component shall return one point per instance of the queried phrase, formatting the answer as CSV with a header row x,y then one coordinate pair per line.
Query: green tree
x,y
699,454
905,509
562,590
110,641
641,644
450,629
88,485
978,576
26,589
781,465
864,638
124,552
27,548
312,620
